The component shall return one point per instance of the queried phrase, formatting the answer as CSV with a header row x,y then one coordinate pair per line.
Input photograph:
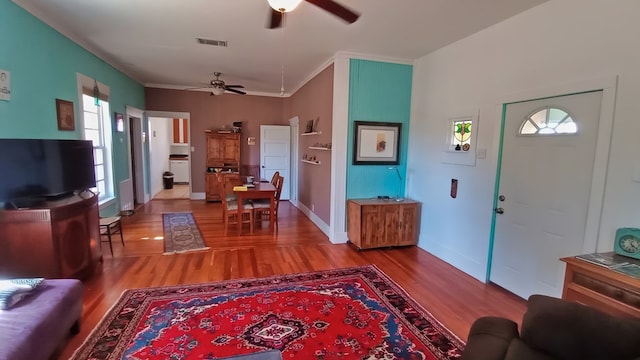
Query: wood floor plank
x,y
453,297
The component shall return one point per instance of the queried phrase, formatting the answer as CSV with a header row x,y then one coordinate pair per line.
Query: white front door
x,y
544,191
275,154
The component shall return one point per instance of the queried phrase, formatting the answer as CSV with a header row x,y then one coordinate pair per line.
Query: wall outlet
x,y
482,153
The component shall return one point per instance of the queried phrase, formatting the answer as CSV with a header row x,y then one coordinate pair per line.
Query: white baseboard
x,y
324,227
198,196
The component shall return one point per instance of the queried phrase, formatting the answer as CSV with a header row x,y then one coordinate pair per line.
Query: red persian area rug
x,y
352,313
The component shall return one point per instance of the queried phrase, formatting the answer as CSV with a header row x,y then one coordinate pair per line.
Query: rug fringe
x,y
187,251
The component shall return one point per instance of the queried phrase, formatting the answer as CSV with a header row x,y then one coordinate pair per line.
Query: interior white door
x,y
543,197
275,154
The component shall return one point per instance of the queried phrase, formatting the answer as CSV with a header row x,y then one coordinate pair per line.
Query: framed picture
x,y
119,122
376,143
64,112
309,127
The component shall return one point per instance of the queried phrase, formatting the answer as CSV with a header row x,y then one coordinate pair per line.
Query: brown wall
x,y
212,112
315,99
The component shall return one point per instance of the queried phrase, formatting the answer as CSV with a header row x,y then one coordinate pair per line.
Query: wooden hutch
x,y
223,154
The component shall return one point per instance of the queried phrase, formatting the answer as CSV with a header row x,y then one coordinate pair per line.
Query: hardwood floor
x,y
453,297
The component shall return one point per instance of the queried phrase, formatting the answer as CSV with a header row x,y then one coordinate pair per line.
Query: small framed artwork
x,y
309,127
376,143
64,113
119,122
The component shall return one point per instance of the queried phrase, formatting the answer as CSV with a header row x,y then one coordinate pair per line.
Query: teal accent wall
x,y
43,64
378,91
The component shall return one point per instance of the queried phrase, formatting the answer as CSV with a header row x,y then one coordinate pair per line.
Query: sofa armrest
x,y
489,338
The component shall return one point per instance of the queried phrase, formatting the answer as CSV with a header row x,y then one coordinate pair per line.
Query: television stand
x,y
55,239
24,203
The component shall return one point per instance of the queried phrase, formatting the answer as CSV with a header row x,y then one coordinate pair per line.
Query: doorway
x,y
546,179
275,155
169,151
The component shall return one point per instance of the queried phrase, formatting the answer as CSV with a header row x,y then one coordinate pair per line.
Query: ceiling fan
x,y
218,87
279,7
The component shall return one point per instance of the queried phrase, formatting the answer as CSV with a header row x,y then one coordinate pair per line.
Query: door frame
x,y
137,174
294,123
608,86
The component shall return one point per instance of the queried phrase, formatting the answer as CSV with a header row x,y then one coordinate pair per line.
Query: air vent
x,y
212,42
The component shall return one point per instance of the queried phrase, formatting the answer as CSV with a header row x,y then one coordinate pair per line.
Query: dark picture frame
x,y
119,122
65,115
309,128
376,143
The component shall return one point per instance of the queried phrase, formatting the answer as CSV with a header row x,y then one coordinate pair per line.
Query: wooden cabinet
x,y
58,240
601,288
180,132
223,152
373,223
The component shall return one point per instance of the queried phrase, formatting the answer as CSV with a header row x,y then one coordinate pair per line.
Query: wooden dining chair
x,y
230,210
262,207
274,177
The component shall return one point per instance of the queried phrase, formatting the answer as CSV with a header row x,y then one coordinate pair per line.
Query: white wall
x,y
554,44
160,135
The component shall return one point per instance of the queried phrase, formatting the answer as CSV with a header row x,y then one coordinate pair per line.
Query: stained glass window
x,y
548,121
461,135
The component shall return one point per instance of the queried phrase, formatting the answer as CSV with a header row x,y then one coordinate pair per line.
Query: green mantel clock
x,y
628,242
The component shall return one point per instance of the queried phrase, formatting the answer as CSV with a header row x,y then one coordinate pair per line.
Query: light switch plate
x,y
481,153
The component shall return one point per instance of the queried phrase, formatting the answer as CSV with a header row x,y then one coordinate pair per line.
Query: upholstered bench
x,y
39,324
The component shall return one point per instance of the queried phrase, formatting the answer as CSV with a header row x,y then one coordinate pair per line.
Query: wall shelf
x,y
319,148
311,162
311,133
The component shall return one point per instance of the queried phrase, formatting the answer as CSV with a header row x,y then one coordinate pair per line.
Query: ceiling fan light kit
x,y
217,91
284,5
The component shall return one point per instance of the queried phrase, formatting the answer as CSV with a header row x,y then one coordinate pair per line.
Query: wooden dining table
x,y
260,190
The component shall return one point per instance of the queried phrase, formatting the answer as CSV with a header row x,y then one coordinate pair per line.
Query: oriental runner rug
x,y
181,233
351,313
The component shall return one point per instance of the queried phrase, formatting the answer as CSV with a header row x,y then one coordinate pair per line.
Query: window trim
x,y
85,87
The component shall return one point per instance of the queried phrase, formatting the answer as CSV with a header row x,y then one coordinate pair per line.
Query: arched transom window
x,y
548,121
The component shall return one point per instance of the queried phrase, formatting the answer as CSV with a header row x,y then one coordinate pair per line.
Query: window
x,y
548,121
461,135
96,127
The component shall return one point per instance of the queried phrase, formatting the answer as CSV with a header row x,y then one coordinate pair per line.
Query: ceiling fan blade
x,y
236,91
336,9
234,86
276,19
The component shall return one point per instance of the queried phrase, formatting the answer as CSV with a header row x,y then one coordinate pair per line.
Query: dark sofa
x,y
554,329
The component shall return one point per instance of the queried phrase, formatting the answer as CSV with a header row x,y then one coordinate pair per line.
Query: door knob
x,y
499,210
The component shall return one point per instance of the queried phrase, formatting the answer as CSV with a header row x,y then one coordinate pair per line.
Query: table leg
x,y
272,213
240,208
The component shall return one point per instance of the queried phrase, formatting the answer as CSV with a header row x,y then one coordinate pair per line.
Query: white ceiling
x,y
154,41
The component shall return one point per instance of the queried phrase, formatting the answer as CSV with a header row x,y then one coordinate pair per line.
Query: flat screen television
x,y
35,170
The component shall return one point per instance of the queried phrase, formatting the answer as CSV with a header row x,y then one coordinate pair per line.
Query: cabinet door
x,y
232,149
372,234
391,223
215,151
408,228
211,189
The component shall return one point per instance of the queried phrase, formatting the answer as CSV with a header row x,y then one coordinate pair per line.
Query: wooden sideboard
x,y
601,288
374,223
59,239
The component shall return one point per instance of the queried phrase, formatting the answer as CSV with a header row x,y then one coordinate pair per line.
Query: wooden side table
x,y
601,288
